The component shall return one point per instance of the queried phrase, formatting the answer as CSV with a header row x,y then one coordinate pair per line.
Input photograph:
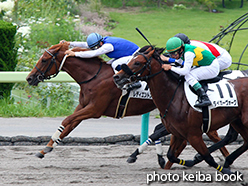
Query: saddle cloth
x,y
221,93
141,93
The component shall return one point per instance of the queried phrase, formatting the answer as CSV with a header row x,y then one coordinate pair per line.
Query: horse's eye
x,y
137,63
43,61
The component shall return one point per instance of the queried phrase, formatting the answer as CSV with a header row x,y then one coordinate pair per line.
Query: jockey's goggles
x,y
174,53
95,47
178,52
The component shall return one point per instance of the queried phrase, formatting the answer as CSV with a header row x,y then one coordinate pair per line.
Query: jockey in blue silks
x,y
120,50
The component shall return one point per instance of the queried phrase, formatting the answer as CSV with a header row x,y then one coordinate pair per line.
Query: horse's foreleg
x,y
159,132
69,123
174,146
56,138
239,127
63,130
177,153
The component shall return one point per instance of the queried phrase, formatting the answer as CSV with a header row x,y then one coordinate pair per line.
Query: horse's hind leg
x,y
234,155
230,137
213,135
198,144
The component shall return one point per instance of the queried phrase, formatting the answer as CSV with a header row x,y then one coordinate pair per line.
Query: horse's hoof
x,y
131,159
47,149
39,155
189,163
161,161
198,158
226,171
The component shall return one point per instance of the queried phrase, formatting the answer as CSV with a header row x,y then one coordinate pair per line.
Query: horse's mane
x,y
146,50
59,47
64,47
78,49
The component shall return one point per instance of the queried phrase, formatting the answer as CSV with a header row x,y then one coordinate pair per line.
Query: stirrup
x,y
203,104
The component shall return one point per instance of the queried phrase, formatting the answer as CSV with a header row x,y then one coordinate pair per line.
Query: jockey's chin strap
x,y
42,75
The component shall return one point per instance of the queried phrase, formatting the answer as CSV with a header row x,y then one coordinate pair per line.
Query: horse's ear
x,y
151,52
150,48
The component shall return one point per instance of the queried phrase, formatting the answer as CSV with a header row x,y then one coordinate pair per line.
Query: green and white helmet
x,y
174,44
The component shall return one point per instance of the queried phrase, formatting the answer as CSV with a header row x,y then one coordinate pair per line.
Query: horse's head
x,y
139,67
48,65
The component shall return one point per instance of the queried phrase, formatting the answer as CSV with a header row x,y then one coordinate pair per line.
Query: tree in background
x,y
8,51
8,54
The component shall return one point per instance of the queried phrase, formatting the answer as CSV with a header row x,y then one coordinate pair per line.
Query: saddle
x,y
204,83
221,94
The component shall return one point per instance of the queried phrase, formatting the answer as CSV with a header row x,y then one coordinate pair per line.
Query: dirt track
x,y
98,165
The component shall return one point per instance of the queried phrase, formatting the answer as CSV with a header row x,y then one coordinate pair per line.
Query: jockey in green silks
x,y
199,64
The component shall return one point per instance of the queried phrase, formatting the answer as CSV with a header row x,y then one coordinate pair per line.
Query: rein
x,y
166,110
93,76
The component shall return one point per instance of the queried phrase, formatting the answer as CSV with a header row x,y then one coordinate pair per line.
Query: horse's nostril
x,y
28,79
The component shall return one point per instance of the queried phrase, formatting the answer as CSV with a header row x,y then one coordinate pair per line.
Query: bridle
x,y
136,76
42,75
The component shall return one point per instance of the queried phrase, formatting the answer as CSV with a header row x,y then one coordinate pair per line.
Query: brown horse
x,y
98,95
187,123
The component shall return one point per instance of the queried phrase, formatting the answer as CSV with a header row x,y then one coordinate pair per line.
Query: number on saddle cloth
x,y
220,93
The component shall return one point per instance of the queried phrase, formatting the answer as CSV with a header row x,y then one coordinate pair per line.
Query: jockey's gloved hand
x,y
118,68
176,62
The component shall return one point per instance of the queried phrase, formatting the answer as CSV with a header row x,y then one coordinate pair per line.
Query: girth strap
x,y
122,106
206,119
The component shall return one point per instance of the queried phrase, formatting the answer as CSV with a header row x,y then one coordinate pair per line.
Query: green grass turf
x,y
160,24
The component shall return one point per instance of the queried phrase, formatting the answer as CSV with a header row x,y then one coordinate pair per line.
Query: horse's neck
x,y
84,69
163,88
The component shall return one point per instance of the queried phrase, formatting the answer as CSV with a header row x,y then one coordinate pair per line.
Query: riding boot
x,y
203,99
134,85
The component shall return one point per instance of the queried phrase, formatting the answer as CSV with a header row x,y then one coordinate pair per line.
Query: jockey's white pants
x,y
225,60
120,61
203,72
123,60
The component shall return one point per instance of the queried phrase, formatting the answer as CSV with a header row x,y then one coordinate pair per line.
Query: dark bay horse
x,y
98,95
187,123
